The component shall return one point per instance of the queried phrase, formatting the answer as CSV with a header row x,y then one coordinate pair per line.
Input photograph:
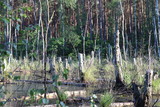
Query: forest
x,y
79,53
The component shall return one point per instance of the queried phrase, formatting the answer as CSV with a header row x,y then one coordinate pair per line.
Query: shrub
x,y
156,85
106,100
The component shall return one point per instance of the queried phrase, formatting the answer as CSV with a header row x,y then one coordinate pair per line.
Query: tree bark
x,y
81,67
123,36
118,71
158,21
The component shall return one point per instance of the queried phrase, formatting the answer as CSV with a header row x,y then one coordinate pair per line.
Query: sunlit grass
x,y
93,71
106,100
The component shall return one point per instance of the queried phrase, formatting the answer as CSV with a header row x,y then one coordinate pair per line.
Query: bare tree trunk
x,y
118,71
26,43
99,56
52,67
148,89
81,67
122,10
100,20
16,46
66,65
135,26
158,21
44,49
90,19
10,41
92,57
130,11
96,25
155,37
144,99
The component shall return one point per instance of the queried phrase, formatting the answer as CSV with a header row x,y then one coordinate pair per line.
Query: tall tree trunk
x,y
26,43
158,23
135,26
16,46
130,11
122,10
90,19
44,47
118,70
100,21
96,24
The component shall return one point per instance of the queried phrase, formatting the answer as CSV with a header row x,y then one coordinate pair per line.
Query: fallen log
x,y
122,104
50,82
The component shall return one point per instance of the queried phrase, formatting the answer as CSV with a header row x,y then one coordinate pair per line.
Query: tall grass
x,y
93,71
106,100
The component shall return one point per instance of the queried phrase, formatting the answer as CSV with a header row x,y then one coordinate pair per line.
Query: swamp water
x,y
15,92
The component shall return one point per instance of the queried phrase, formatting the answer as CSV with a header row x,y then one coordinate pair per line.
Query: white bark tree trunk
x,y
118,71
81,67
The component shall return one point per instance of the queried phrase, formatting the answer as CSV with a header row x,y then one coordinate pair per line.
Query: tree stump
x,y
143,99
81,67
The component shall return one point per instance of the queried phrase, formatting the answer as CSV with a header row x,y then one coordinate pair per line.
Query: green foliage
x,y
16,77
33,93
106,100
65,73
55,45
70,3
61,95
73,38
113,4
2,103
156,85
90,73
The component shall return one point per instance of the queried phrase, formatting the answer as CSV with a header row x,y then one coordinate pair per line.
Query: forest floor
x,y
99,80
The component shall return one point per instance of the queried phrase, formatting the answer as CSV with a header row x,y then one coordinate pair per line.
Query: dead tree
x,y
143,99
118,71
81,67
92,57
52,67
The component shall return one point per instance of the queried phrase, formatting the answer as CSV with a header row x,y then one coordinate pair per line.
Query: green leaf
x,y
45,101
23,15
29,9
65,73
5,20
16,77
18,19
41,91
31,93
59,83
